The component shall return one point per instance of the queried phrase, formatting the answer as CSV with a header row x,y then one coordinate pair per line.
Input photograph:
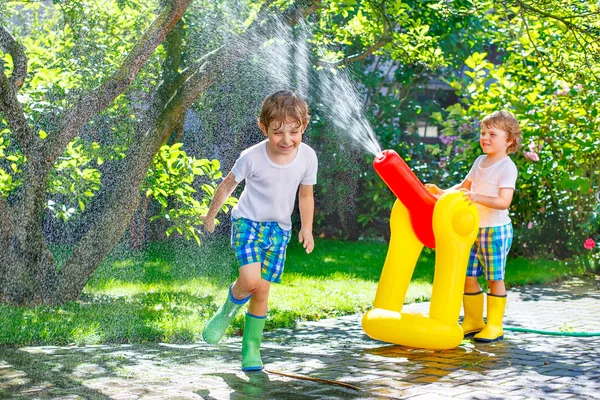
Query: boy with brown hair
x,y
490,184
274,170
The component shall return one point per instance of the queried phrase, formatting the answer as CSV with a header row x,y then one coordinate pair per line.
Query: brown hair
x,y
507,122
283,106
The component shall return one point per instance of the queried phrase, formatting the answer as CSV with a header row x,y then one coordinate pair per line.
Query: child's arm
x,y
502,202
306,203
436,191
223,192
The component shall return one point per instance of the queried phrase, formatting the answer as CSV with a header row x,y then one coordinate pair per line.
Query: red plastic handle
x,y
410,191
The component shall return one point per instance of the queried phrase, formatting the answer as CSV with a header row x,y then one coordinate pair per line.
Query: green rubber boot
x,y
216,326
251,344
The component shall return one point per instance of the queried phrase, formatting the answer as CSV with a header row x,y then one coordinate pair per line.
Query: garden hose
x,y
552,333
308,378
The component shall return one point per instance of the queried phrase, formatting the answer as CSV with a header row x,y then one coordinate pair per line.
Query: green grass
x,y
167,292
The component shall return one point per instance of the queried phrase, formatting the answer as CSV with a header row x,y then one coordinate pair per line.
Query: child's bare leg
x,y
253,329
248,282
471,285
497,288
259,301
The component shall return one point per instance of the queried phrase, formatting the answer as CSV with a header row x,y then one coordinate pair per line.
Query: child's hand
x,y
209,223
469,196
434,190
305,237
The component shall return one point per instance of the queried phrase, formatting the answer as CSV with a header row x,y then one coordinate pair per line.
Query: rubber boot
x,y
473,320
251,343
218,323
495,312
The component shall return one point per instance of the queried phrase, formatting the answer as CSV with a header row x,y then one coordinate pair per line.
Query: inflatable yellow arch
x,y
447,224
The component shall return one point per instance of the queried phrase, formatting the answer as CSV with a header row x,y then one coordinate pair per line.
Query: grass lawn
x,y
168,291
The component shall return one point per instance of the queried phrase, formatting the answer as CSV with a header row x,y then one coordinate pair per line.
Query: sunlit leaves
x,y
74,181
173,180
11,163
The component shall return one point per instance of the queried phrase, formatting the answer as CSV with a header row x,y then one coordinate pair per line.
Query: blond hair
x,y
507,122
283,106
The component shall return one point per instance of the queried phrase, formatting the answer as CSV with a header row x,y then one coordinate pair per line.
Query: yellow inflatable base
x,y
455,224
412,330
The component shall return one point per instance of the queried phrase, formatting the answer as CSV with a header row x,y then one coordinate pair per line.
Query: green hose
x,y
553,333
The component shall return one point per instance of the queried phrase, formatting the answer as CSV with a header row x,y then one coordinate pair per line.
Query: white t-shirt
x,y
488,181
270,191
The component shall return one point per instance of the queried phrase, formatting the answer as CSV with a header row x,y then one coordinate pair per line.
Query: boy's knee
x,y
253,285
249,283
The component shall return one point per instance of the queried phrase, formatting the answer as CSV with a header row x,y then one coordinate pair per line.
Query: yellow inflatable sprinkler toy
x,y
418,219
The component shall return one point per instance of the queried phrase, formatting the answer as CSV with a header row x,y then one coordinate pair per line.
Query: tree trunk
x,y
29,267
137,228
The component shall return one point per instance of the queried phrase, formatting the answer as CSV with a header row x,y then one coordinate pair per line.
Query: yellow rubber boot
x,y
495,312
473,320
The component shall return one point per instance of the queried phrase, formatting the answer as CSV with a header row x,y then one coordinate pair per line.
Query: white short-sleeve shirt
x,y
488,181
270,191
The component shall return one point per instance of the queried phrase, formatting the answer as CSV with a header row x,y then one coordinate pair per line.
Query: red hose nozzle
x,y
410,191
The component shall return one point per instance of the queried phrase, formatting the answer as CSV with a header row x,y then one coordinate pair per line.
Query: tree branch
x,y
6,218
572,27
12,47
386,38
360,56
10,106
542,13
93,102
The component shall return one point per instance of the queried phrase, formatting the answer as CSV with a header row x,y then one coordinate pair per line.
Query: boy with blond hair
x,y
490,184
274,170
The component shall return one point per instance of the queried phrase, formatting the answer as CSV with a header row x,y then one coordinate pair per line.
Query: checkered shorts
x,y
263,242
489,252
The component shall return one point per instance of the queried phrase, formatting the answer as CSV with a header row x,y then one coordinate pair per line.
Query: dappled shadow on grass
x,y
168,263
362,260
180,261
174,316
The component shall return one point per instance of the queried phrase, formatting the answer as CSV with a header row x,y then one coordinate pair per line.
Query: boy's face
x,y
283,138
494,140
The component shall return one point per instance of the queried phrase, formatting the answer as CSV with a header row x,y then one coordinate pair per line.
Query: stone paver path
x,y
523,366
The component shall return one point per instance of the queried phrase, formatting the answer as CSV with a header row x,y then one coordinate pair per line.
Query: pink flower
x,y
589,244
530,225
531,155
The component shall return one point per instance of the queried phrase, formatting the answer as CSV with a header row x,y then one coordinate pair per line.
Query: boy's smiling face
x,y
493,140
283,138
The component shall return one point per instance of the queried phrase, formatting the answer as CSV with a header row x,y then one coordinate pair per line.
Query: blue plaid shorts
x,y
489,252
263,242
